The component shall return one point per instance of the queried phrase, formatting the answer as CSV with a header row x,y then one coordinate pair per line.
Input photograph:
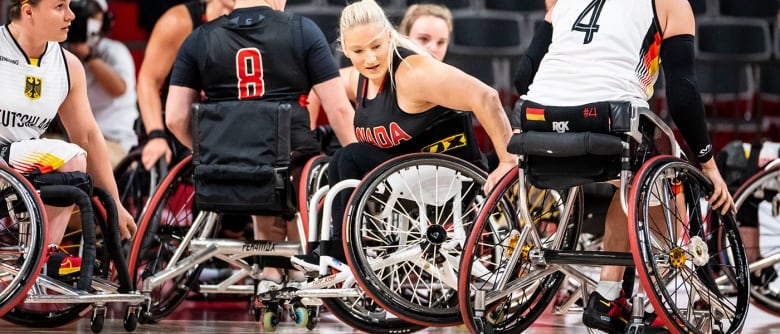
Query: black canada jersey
x,y
255,53
381,123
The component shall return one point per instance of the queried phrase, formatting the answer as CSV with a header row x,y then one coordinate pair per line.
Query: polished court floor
x,y
233,317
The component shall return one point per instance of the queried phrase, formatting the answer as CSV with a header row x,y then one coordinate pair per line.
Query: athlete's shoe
x,y
610,316
61,264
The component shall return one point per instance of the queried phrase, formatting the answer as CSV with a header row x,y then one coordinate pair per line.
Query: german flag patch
x,y
534,114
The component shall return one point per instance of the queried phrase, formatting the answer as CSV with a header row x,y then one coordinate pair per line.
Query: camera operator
x,y
110,75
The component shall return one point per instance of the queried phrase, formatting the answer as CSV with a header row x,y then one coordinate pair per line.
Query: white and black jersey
x,y
602,50
32,93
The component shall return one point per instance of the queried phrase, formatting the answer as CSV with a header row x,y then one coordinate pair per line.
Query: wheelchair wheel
x,y
164,224
313,177
136,184
487,257
761,195
49,315
23,229
365,315
675,248
404,232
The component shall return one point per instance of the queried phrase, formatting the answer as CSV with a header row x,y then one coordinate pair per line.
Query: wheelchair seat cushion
x,y
601,117
241,153
572,145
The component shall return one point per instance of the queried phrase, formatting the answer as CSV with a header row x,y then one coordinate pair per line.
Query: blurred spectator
x,y
110,75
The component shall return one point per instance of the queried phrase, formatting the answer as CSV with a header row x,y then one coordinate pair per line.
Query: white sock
x,y
609,289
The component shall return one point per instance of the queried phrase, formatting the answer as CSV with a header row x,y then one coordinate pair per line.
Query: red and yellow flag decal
x,y
534,114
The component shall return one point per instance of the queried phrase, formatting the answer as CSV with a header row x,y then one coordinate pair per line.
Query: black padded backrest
x,y
451,4
733,40
718,78
241,151
487,33
299,2
342,3
699,7
777,42
766,9
516,5
495,71
327,18
770,78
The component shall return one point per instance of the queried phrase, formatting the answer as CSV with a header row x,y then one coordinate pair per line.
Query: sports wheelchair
x,y
404,230
34,298
515,259
758,199
177,233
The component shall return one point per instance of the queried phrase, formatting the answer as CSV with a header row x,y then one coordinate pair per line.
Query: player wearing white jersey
x,y
610,50
40,80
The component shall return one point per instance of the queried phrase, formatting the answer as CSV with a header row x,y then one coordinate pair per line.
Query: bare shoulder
x,y
418,66
675,17
175,21
75,68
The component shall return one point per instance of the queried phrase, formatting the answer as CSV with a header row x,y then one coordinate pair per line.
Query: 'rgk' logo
x,y
560,127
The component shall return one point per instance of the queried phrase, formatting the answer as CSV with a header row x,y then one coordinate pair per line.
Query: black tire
x,y
22,237
493,241
313,177
130,321
675,248
365,315
761,189
406,288
49,315
134,183
96,323
164,224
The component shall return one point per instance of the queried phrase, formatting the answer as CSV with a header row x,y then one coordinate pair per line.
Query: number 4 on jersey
x,y
591,26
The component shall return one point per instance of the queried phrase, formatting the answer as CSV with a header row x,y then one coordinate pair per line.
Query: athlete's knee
x,y
75,164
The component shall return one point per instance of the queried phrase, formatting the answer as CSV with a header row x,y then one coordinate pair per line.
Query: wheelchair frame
x,y
301,299
755,187
42,289
524,245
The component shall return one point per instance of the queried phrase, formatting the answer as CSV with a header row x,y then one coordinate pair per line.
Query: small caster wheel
x,y
301,317
313,319
257,313
270,321
130,321
98,318
256,307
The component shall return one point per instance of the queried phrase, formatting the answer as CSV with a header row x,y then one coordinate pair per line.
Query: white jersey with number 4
x,y
602,50
31,95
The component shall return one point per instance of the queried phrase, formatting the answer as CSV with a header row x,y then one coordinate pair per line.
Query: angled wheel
x,y
166,221
313,177
404,232
136,184
494,253
49,315
757,202
23,229
364,314
674,242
